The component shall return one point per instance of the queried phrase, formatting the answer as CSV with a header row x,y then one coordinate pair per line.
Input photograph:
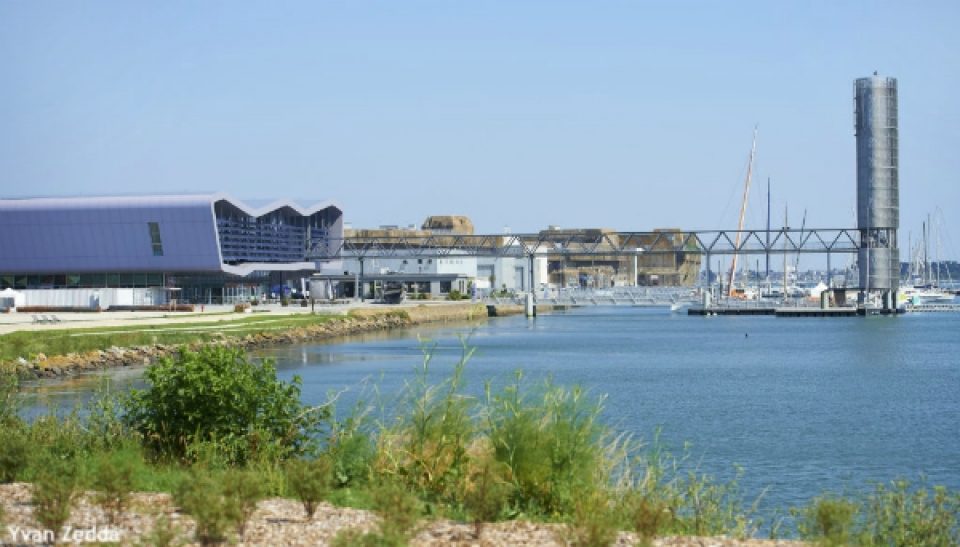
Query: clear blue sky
x,y
624,114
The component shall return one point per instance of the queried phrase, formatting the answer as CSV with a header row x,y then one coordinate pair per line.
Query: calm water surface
x,y
802,405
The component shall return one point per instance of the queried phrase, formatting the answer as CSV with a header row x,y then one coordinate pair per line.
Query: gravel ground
x,y
282,522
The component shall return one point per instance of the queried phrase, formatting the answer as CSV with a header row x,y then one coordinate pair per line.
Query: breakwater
x,y
41,366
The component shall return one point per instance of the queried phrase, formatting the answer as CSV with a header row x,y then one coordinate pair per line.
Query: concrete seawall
x,y
503,310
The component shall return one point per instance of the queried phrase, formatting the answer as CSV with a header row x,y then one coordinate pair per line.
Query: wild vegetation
x,y
221,433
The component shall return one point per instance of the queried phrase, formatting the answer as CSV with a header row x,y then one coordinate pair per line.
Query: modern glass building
x,y
209,248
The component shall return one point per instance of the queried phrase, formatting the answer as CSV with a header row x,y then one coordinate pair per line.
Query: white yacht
x,y
916,295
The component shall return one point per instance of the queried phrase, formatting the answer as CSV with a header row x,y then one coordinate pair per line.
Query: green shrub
x,y
216,395
828,521
398,509
201,494
270,476
594,521
350,537
104,419
554,448
54,489
350,448
708,507
427,446
899,515
163,534
9,385
357,538
244,489
487,491
64,437
14,450
113,479
653,493
663,499
648,515
455,295
309,481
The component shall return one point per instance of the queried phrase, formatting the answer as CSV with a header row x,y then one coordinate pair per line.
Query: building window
x,y
155,241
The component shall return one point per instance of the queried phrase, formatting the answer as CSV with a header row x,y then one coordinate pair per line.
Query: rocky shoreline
x,y
359,321
280,521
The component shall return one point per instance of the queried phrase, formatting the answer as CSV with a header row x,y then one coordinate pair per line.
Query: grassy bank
x,y
79,340
220,434
56,352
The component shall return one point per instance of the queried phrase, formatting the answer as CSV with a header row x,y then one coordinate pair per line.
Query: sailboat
x,y
925,295
733,291
924,288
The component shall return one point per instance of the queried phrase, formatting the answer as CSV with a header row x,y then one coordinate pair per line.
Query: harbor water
x,y
801,405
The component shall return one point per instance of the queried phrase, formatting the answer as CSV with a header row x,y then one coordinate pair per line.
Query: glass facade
x,y
283,235
81,281
279,236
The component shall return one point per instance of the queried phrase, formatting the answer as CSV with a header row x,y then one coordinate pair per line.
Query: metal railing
x,y
672,297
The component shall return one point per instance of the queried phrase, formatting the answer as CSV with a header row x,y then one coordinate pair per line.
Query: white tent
x,y
815,291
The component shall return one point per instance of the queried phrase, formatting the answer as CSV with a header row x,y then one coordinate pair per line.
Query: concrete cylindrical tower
x,y
878,184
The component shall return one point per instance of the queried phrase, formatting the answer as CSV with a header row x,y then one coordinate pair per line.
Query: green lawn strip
x,y
205,314
197,327
64,341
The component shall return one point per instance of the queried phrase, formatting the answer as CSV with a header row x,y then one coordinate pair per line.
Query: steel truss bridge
x,y
602,243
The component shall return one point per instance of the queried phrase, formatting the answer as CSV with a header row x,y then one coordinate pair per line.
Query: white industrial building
x,y
438,275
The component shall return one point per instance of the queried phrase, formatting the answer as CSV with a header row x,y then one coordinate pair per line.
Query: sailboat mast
x,y
909,256
803,226
926,255
743,211
937,255
786,226
768,230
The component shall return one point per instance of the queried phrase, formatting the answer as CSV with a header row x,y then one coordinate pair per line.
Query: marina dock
x,y
818,312
924,308
730,310
777,312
